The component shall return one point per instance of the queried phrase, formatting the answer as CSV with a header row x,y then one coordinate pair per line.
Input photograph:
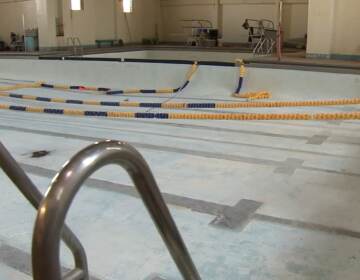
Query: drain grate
x,y
39,154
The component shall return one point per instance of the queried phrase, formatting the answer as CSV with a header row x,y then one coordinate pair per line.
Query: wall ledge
x,y
348,57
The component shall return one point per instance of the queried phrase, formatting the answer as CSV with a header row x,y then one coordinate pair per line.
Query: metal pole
x,y
66,184
19,177
33,195
116,20
128,27
279,31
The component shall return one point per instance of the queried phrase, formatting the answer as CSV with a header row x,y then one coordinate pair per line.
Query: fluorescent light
x,y
76,5
127,6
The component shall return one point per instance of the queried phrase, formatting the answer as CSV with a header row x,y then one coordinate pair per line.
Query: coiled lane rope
x,y
247,95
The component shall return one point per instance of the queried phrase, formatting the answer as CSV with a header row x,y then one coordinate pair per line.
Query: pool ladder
x,y
50,225
75,44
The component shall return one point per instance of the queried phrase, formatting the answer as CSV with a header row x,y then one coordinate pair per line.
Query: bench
x,y
107,42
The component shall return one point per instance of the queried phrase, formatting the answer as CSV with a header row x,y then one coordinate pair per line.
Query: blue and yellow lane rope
x,y
188,116
20,86
208,116
241,75
247,95
197,116
185,105
110,91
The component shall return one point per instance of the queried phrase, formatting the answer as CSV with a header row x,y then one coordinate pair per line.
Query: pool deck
x,y
254,200
290,56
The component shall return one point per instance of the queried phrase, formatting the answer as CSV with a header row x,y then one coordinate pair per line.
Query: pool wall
x,y
181,55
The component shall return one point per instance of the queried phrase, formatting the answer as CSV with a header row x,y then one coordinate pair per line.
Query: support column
x,y
321,22
220,13
46,12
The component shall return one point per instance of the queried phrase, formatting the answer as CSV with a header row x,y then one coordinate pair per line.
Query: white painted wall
x,y
81,24
174,11
320,26
100,19
229,15
295,19
105,20
334,27
143,22
346,33
235,13
46,13
11,15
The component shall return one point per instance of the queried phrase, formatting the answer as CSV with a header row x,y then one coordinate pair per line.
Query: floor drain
x,y
39,154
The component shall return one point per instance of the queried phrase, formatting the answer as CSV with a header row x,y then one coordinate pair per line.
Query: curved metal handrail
x,y
66,184
34,196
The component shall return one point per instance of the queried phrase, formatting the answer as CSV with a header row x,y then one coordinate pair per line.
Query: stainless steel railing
x,y
75,43
65,185
33,195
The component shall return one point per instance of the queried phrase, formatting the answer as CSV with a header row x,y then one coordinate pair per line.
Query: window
x,y
127,6
77,5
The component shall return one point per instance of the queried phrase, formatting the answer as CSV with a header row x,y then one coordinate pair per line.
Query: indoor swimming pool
x,y
255,198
